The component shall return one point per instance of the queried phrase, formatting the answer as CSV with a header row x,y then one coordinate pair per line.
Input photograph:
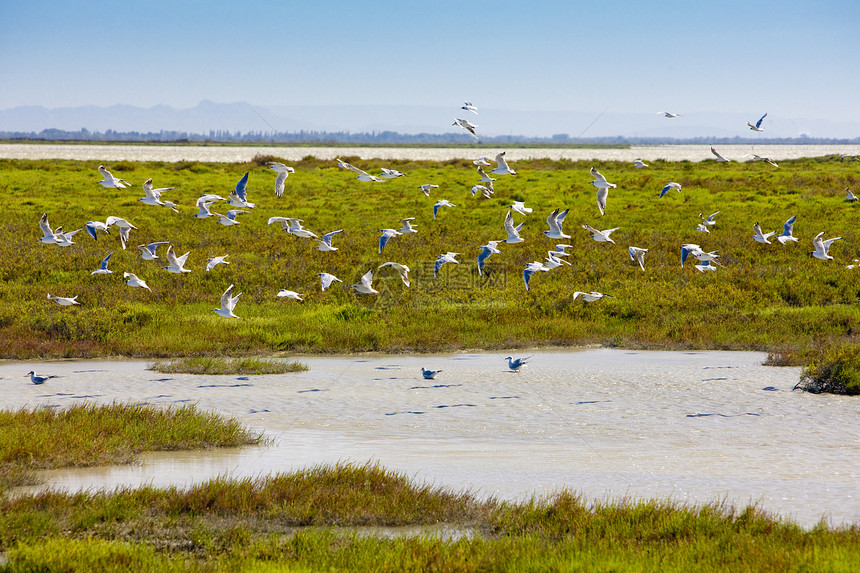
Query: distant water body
x,y
231,154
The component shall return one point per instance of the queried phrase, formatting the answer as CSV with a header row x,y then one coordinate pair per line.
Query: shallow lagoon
x,y
695,427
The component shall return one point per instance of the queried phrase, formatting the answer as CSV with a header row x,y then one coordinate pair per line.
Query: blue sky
x,y
789,58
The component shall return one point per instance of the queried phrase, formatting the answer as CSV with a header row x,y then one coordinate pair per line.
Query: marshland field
x,y
771,298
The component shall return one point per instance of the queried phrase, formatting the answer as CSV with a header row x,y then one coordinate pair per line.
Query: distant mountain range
x,y
208,118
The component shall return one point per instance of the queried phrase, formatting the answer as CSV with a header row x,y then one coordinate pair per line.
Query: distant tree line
x,y
377,137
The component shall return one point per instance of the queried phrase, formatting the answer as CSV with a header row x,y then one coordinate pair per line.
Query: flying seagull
x,y
444,258
441,203
555,221
757,126
402,270
467,105
720,158
502,168
176,264
386,236
324,244
600,236
637,255
364,286
228,303
239,197
103,266
787,229
467,125
759,236
486,250
110,181
669,186
822,247
326,280
513,232
215,261
63,301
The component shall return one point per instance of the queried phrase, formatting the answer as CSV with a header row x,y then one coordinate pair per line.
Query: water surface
x,y
695,427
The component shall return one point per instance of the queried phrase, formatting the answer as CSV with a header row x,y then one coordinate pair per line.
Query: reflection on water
x,y
695,427
243,154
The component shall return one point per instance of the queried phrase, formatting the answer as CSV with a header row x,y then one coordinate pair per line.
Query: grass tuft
x,y
213,365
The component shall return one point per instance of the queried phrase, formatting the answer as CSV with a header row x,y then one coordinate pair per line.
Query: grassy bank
x,y
90,435
325,519
214,365
765,297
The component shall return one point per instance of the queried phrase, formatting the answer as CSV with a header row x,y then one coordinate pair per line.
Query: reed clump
x,y
89,435
350,517
834,369
216,365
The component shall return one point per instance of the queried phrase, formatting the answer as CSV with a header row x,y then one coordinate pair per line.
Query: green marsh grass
x,y
90,435
217,365
346,517
766,297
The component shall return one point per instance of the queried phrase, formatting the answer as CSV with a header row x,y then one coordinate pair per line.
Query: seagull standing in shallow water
x,y
429,374
516,363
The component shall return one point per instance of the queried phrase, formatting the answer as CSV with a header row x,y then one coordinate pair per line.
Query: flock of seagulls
x,y
555,258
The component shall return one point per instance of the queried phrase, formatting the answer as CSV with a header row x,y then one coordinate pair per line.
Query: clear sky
x,y
794,58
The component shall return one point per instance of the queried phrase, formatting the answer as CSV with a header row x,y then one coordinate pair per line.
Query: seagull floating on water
x,y
37,378
63,301
228,303
110,181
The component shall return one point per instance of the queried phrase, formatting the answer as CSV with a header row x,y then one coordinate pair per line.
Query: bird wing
x,y
46,228
367,278
596,174
758,123
104,263
242,186
279,182
789,225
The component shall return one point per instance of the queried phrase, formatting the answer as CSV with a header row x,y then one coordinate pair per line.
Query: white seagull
x,y
706,266
709,220
767,160
49,236
502,168
590,296
531,269
560,250
444,258
427,187
555,221
467,105
600,181
110,181
38,379
520,207
787,230
118,222
391,173
176,264
406,226
761,237
402,270
669,114
324,244
103,266
326,280
229,219
239,197
283,172
215,261
552,261
482,160
133,281
467,125
516,363
600,236
364,286
284,293
93,226
153,196
720,158
441,203
485,191
849,196
639,164
386,235
65,239
757,126
484,177
669,186
63,301
362,175
637,255
293,226
228,303
147,252
822,247
429,374
513,232
203,204
486,250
